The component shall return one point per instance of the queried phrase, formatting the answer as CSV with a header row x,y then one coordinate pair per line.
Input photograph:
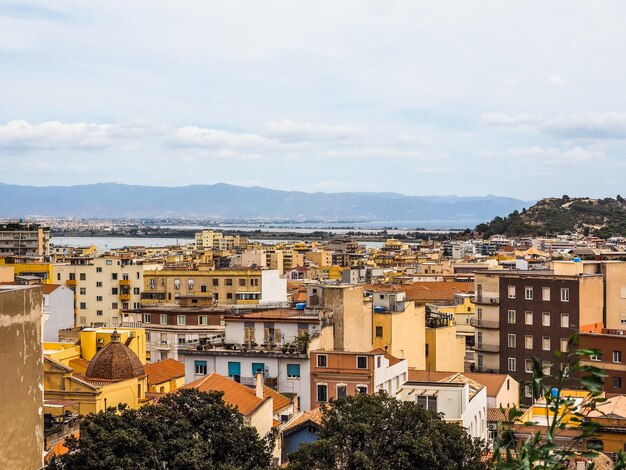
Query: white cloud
x,y
556,155
197,137
556,80
291,131
376,153
523,120
590,125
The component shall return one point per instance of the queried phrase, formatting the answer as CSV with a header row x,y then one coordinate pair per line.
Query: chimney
x,y
259,385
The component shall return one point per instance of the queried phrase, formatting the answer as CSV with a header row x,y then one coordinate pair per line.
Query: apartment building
x,y
524,314
612,357
170,329
244,286
23,239
272,341
212,240
103,287
336,374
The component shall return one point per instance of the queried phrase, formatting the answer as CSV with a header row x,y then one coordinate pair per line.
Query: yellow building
x,y
165,376
24,266
399,327
462,311
114,375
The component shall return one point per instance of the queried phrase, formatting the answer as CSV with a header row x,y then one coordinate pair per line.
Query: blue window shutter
x,y
258,367
293,370
234,368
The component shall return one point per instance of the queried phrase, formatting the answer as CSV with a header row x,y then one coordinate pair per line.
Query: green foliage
x,y
381,433
541,450
186,430
563,215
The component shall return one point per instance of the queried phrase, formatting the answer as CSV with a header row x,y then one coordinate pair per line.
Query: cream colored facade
x,y
209,239
102,287
446,350
320,258
487,321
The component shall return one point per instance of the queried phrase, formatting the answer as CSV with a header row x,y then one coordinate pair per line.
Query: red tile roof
x,y
164,371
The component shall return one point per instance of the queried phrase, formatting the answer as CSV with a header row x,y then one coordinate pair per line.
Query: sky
x,y
521,99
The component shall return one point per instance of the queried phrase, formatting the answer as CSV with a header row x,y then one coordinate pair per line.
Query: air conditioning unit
x,y
620,332
493,301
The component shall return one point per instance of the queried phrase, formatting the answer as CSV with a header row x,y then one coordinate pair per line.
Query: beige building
x,y
21,387
103,287
226,286
320,258
20,239
209,239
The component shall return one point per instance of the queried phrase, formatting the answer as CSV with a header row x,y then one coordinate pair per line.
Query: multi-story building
x,y
273,342
612,357
21,387
226,286
170,329
103,287
525,314
336,374
23,239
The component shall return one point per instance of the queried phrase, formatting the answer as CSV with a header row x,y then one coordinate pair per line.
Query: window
x,y
322,392
164,319
565,295
234,369
322,360
511,340
258,367
242,283
379,361
528,390
136,290
511,364
293,371
342,391
109,262
176,284
528,366
564,345
98,298
379,331
528,341
203,289
202,320
228,282
82,276
617,356
72,277
511,316
200,367
181,320
114,276
216,282
361,362
545,294
528,317
114,305
594,358
565,320
98,270
147,318
617,382
361,389
181,339
99,284
83,291
428,402
511,291
229,296
163,355
545,343
99,313
528,293
83,305
114,291
545,318
190,284
58,276
545,367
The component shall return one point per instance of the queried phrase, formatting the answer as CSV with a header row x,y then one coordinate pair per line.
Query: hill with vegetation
x,y
603,218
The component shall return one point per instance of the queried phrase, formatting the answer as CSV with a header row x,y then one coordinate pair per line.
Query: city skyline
x,y
417,99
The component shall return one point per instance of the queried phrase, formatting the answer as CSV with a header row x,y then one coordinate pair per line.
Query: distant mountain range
x,y
224,201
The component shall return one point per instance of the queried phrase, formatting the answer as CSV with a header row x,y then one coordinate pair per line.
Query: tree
x,y
186,430
379,432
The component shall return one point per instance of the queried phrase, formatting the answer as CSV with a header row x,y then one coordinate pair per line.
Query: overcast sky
x,y
523,99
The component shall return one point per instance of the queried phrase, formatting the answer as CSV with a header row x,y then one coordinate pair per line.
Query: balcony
x,y
71,282
486,300
271,382
125,282
125,296
489,348
487,324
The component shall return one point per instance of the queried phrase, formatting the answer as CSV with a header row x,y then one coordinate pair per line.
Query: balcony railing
x,y
489,324
487,347
484,299
251,381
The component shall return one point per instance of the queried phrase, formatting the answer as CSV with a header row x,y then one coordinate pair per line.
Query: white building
x,y
460,399
58,304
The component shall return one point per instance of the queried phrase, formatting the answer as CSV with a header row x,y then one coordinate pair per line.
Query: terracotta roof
x,y
426,291
493,382
48,288
474,386
236,394
497,415
312,416
393,360
164,371
115,361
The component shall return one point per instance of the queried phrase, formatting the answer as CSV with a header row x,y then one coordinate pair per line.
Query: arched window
x,y
595,444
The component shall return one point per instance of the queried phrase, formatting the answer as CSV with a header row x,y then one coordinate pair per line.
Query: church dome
x,y
115,361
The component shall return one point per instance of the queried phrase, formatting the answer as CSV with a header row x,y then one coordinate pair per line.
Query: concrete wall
x,y
446,351
351,315
615,294
58,312
274,287
21,369
591,300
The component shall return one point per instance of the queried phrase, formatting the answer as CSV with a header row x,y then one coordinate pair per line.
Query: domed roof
x,y
115,361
